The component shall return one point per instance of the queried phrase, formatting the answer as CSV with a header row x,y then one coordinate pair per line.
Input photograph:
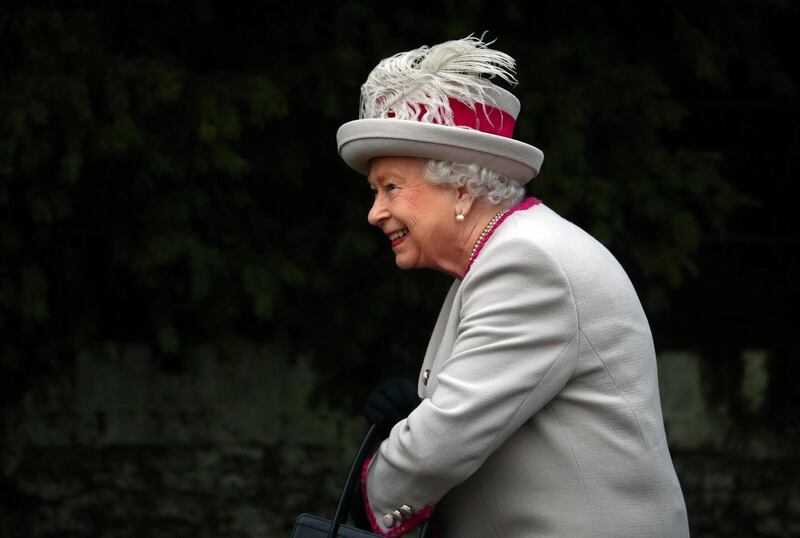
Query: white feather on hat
x,y
430,77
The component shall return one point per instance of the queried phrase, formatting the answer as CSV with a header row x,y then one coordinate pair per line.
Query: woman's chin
x,y
402,265
404,262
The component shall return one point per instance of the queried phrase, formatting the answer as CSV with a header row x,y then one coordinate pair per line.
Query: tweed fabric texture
x,y
541,416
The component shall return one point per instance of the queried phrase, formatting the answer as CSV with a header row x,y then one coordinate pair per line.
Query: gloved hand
x,y
391,402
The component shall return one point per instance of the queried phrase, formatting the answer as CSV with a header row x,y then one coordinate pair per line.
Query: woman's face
x,y
417,217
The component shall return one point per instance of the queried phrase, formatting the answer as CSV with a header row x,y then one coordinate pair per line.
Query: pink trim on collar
x,y
420,516
525,204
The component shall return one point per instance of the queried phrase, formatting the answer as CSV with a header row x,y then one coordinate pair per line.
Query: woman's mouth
x,y
398,237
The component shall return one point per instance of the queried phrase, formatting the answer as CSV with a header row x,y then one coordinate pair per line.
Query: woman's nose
x,y
377,212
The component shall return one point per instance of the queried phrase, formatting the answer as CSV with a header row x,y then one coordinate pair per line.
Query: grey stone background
x,y
238,447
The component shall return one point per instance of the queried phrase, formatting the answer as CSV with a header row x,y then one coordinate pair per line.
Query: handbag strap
x,y
352,479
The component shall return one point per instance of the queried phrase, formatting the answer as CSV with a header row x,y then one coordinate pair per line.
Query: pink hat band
x,y
484,118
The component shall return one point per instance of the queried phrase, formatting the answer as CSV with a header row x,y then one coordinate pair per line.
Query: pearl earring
x,y
460,217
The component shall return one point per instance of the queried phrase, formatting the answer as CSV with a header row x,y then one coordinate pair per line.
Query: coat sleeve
x,y
515,348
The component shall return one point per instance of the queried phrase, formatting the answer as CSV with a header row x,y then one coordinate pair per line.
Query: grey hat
x,y
434,103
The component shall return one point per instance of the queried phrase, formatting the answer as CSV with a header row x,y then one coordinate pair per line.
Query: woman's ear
x,y
464,201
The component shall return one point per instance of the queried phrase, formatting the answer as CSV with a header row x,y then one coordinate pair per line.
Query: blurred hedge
x,y
168,171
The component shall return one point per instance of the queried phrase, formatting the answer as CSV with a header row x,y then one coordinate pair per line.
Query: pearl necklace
x,y
483,235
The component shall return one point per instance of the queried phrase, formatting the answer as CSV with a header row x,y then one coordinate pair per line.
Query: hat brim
x,y
360,141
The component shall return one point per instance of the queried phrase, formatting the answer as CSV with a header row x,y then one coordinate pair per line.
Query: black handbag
x,y
308,526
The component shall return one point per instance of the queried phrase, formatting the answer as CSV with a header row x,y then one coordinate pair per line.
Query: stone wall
x,y
740,476
118,448
234,447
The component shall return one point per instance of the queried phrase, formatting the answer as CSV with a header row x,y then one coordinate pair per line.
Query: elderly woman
x,y
539,412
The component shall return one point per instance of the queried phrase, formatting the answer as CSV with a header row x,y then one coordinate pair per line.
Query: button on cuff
x,y
388,521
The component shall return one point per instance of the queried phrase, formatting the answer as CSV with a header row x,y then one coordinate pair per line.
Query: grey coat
x,y
541,412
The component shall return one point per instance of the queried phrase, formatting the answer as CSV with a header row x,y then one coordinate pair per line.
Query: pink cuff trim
x,y
420,516
527,203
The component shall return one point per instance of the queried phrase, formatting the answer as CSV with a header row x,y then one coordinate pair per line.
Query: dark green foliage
x,y
168,171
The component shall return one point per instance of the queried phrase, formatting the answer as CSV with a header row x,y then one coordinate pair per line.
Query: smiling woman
x,y
414,193
417,217
538,410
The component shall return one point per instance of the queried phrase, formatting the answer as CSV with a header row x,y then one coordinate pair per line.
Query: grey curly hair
x,y
480,182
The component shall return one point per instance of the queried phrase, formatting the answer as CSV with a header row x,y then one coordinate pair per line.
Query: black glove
x,y
391,402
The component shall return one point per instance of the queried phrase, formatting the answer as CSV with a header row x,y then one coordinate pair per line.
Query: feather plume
x,y
401,85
